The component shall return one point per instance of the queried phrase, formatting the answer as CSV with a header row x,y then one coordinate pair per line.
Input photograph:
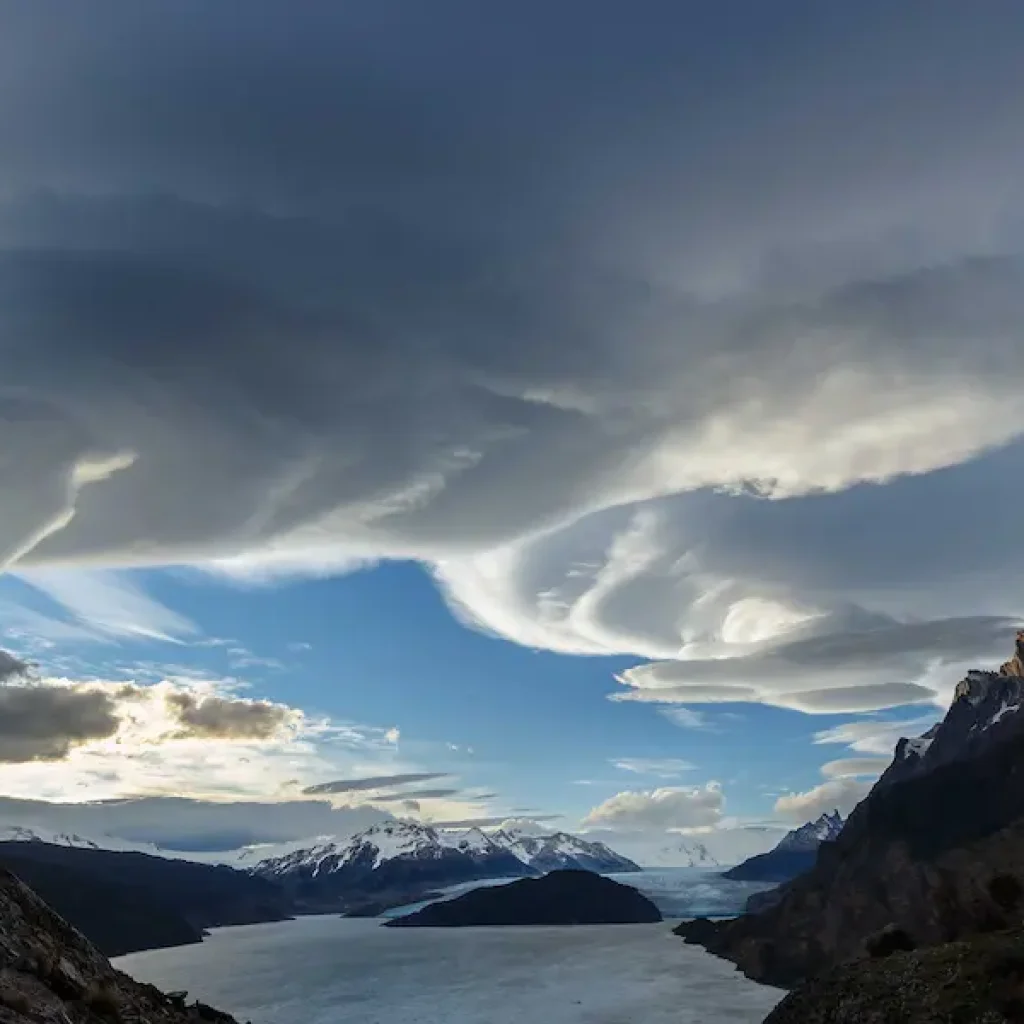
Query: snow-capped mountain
x,y
813,834
682,853
551,851
32,834
16,832
795,853
401,858
392,859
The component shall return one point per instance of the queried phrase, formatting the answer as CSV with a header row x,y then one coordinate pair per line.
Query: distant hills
x,y
125,901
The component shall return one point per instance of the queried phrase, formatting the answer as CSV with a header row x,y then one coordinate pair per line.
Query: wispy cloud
x,y
687,718
662,767
110,603
370,783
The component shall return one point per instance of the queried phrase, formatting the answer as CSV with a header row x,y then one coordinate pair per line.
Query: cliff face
x,y
937,849
50,974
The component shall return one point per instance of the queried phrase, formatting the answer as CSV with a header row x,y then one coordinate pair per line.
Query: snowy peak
x,y
472,852
683,854
393,840
472,841
31,834
813,834
556,850
1015,666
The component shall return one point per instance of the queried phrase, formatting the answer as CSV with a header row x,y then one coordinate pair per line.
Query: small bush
x,y
101,997
888,941
1006,891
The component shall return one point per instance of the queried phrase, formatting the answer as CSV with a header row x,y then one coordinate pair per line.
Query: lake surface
x,y
329,970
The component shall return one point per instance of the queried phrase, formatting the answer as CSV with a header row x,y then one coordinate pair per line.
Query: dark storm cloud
x,y
43,723
479,286
230,718
12,667
418,794
372,782
175,823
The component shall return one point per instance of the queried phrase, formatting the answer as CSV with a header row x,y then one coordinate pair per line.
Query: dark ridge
x,y
559,898
127,901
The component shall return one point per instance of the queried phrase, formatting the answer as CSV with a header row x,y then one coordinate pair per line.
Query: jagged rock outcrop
x,y
983,713
51,974
933,850
561,897
795,853
979,981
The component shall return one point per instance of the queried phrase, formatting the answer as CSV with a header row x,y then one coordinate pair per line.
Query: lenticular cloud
x,y
594,341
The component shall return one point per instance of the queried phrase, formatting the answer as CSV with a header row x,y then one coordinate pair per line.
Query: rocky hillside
x,y
980,981
559,898
796,852
934,849
50,974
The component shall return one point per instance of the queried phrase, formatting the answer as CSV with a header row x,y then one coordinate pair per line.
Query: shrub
x,y
1006,891
888,941
102,998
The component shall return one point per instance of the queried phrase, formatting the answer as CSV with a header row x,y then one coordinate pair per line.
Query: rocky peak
x,y
1015,666
986,708
51,974
813,834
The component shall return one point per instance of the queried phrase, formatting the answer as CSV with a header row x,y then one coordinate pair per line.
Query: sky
x,y
606,417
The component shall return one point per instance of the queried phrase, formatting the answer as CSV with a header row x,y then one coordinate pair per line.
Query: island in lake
x,y
558,898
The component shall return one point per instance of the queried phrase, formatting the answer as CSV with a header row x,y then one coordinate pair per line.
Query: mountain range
x,y
932,855
401,862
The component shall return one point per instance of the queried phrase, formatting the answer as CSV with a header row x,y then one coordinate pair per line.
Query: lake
x,y
330,970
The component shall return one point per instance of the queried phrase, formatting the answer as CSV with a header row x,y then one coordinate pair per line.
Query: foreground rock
x,y
935,850
562,897
980,981
51,974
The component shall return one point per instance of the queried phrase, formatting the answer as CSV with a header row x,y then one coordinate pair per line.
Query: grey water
x,y
331,970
